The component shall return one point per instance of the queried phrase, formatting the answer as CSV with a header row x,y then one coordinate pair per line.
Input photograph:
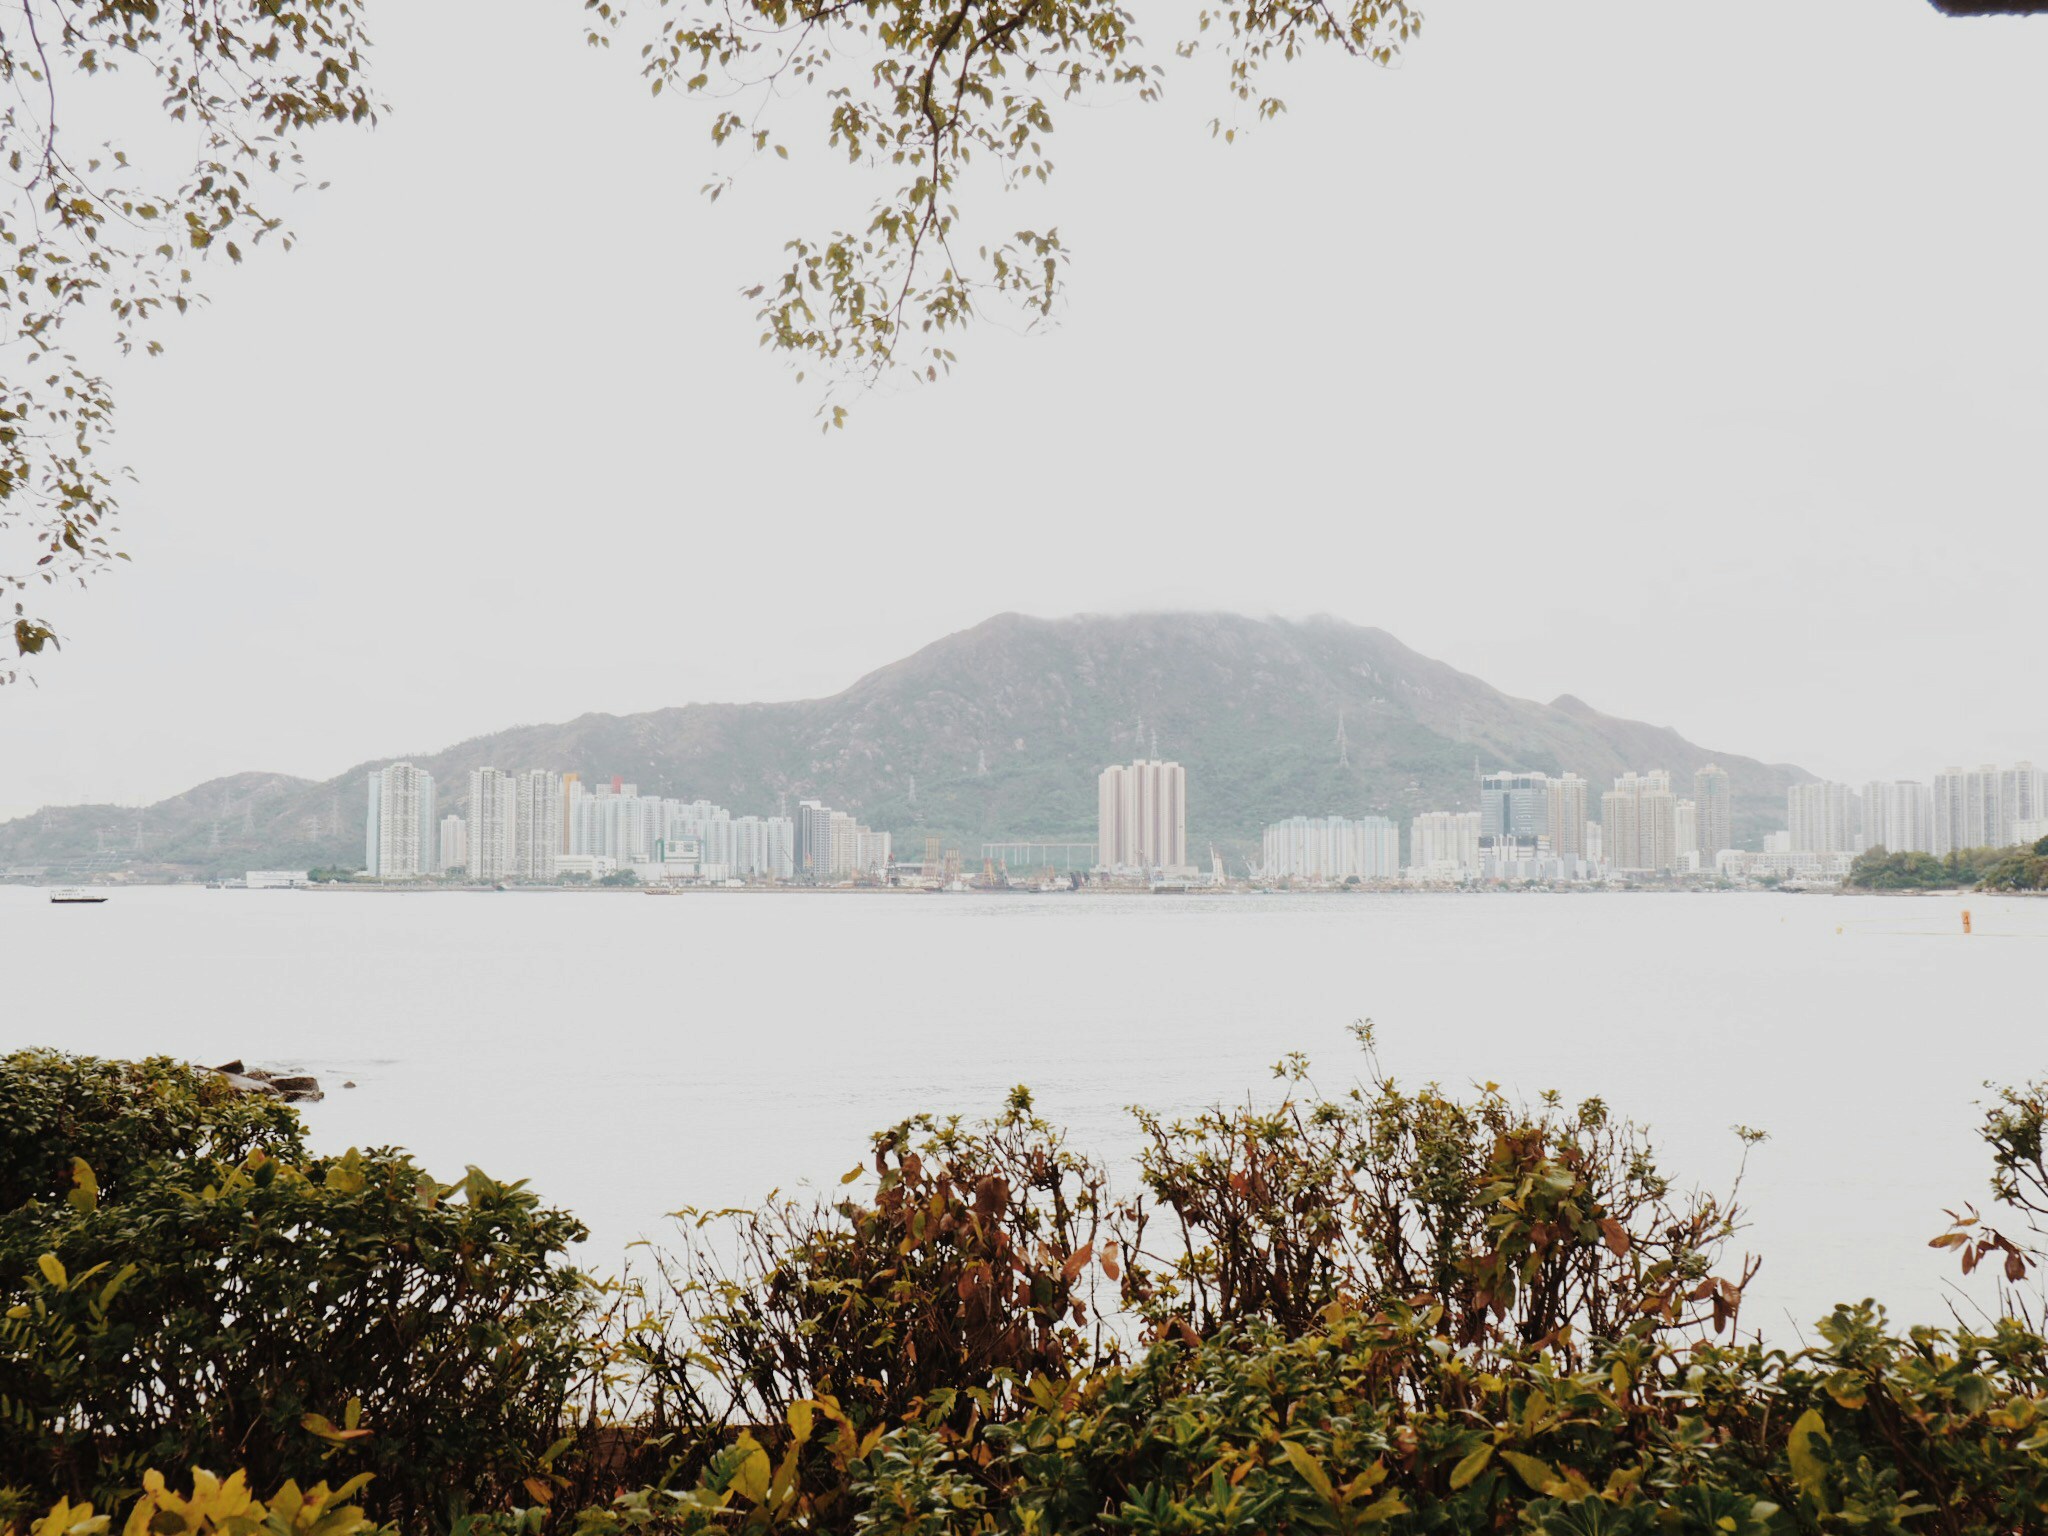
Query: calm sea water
x,y
631,1055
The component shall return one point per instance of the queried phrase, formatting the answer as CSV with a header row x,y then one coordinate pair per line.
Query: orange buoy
x,y
1966,919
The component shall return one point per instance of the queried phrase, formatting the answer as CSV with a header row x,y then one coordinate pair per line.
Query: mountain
x,y
994,733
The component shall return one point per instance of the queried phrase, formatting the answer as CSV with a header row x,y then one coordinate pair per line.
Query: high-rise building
x,y
813,841
454,849
1968,809
399,841
1638,818
1822,818
1333,848
537,826
1685,830
1514,813
493,817
1898,817
763,848
572,786
1567,816
1142,816
1444,843
2020,795
1711,812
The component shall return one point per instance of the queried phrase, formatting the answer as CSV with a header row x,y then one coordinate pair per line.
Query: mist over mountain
x,y
997,732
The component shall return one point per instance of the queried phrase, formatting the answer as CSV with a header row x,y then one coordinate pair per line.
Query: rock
x,y
243,1083
292,1089
349,1084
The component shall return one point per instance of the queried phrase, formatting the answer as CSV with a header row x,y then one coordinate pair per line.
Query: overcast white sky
x,y
1691,359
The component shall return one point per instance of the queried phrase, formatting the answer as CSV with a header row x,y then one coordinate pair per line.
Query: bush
x,y
122,1119
1388,1312
289,1316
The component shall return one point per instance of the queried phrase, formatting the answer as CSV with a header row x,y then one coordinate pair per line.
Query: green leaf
x,y
53,1270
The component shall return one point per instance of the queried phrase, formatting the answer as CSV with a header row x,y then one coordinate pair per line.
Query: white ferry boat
x,y
71,895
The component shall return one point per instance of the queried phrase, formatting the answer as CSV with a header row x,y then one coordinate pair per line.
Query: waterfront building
x,y
813,840
275,879
1332,849
1141,817
2020,801
1514,814
537,827
493,815
1898,817
1685,833
617,821
1806,865
1444,845
454,845
1566,817
1639,833
1968,809
763,848
1710,798
1595,844
572,784
399,839
1024,860
1822,817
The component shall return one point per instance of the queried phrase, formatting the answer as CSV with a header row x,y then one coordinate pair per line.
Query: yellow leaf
x,y
1807,1467
1384,1509
750,1481
53,1270
85,1189
1310,1469
1471,1466
1539,1474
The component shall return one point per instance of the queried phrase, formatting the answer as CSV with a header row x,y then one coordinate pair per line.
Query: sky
x,y
1690,360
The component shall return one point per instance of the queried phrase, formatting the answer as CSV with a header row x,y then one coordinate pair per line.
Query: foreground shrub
x,y
213,1508
284,1317
1389,1312
1523,1226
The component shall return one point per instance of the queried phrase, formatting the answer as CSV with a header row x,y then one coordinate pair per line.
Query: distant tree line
x,y
1993,869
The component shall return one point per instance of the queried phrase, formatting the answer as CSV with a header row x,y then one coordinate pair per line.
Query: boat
x,y
71,895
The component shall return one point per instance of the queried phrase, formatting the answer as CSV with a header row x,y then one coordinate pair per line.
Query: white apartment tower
x,y
1822,818
493,816
454,849
1142,816
1567,796
399,839
1898,817
1711,813
1685,829
1333,849
1639,831
1444,843
537,826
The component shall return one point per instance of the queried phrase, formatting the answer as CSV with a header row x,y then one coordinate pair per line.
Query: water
x,y
631,1055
